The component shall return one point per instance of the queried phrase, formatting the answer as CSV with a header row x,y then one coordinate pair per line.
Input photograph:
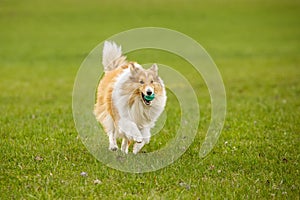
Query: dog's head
x,y
149,85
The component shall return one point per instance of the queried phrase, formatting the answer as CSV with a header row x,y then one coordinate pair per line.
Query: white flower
x,y
83,174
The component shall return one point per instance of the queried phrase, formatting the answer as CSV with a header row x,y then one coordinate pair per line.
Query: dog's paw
x,y
135,151
113,148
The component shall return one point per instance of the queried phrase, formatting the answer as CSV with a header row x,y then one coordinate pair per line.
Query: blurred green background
x,y
255,44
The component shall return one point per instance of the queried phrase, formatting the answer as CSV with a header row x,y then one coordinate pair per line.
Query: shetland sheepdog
x,y
129,99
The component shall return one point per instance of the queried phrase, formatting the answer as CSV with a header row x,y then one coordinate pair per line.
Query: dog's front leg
x,y
146,139
138,146
130,130
146,134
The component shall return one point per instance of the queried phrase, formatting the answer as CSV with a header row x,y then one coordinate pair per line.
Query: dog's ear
x,y
154,68
133,68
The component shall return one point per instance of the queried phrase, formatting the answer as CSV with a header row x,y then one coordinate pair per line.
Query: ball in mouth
x,y
147,99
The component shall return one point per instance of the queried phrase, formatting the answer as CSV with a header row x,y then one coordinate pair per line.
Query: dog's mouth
x,y
146,101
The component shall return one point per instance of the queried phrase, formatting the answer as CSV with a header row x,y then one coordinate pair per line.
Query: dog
x,y
129,99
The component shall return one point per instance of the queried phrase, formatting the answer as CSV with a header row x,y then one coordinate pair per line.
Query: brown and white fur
x,y
120,106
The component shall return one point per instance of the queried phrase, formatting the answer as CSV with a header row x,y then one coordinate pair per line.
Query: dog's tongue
x,y
150,97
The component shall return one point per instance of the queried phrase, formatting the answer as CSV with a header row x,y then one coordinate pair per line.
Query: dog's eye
x,y
152,81
141,82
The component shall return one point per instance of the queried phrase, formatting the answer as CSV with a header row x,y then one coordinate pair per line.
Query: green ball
x,y
150,97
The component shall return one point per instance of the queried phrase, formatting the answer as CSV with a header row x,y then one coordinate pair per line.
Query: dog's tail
x,y
112,56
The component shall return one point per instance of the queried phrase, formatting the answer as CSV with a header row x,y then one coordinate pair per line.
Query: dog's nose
x,y
149,92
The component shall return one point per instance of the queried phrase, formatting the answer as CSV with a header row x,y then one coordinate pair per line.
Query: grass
x,y
256,45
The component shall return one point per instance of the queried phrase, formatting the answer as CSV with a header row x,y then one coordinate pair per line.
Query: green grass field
x,y
255,44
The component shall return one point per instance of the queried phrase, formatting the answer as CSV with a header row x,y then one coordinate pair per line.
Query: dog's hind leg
x,y
125,145
112,141
108,124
